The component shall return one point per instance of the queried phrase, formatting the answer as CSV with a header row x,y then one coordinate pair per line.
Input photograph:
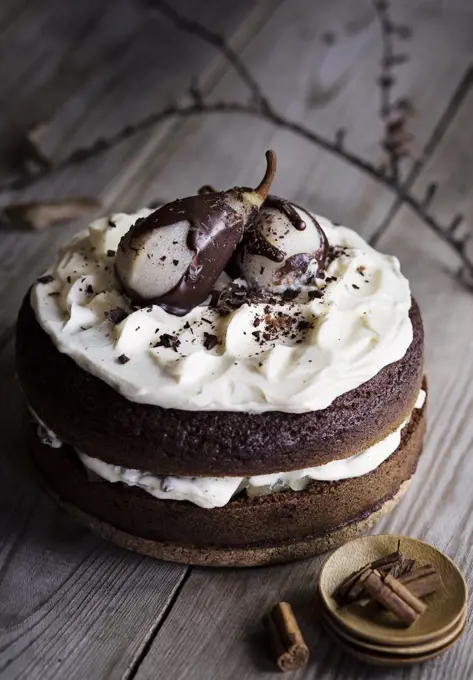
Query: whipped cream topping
x,y
337,334
215,492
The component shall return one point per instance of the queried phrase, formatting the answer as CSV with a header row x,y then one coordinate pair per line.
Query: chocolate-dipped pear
x,y
287,248
174,256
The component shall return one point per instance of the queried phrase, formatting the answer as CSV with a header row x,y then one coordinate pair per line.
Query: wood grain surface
x,y
72,606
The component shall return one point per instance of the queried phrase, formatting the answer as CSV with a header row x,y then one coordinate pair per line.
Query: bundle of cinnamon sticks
x,y
394,583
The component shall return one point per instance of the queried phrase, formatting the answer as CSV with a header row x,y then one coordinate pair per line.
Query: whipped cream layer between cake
x,y
292,356
215,492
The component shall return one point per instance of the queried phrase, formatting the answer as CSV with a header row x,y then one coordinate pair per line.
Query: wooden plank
x,y
24,255
213,630
72,606
325,86
218,613
9,12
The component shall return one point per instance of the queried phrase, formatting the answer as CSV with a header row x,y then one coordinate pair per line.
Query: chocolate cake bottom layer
x,y
266,522
233,557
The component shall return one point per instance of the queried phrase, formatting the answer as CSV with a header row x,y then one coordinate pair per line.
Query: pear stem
x,y
264,186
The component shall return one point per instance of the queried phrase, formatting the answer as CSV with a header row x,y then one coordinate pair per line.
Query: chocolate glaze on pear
x,y
216,223
257,244
284,248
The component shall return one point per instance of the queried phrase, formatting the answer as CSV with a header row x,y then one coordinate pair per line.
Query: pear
x,y
286,249
174,256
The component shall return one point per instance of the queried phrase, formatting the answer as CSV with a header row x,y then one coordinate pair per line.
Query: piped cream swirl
x,y
241,362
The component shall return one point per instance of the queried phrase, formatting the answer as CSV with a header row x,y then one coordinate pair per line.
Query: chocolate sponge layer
x,y
94,418
277,519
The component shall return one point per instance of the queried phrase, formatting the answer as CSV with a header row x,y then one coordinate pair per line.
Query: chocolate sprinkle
x,y
111,253
89,290
47,278
116,315
123,359
290,294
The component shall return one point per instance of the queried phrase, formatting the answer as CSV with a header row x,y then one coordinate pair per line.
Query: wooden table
x,y
72,606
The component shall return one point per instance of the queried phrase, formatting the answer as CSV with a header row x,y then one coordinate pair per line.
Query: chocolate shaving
x,y
210,340
334,252
290,294
37,215
285,638
116,315
168,341
123,359
111,253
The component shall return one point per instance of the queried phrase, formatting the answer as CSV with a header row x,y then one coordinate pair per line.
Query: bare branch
x,y
454,224
429,194
211,38
196,94
340,137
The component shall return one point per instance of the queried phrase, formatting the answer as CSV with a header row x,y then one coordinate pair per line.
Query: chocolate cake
x,y
226,380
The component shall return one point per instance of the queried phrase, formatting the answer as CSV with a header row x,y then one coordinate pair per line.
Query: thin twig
x,y
395,136
451,109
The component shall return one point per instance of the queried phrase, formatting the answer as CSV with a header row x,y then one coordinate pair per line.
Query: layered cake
x,y
226,380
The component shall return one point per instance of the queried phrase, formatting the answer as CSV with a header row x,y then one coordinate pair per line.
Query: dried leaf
x,y
33,145
38,215
28,152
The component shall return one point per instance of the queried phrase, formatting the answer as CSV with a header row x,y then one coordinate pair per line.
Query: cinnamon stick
x,y
285,637
392,595
405,594
347,590
422,581
404,566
